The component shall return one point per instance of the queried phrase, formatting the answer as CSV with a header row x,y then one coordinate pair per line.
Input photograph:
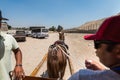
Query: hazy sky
x,y
67,13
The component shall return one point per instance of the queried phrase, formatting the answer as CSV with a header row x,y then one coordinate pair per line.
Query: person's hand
x,y
19,72
90,64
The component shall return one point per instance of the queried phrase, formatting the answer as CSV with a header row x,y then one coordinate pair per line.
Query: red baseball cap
x,y
109,30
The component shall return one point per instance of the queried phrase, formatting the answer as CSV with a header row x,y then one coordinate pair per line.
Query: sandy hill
x,y
88,27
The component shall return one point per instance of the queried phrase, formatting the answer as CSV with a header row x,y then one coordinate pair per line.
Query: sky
x,y
67,13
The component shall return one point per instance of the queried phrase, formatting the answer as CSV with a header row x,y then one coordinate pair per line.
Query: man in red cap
x,y
107,45
8,45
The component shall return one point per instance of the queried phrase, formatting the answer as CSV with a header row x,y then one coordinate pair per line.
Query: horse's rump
x,y
56,61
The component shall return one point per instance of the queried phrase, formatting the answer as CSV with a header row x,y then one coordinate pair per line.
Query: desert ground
x,y
34,50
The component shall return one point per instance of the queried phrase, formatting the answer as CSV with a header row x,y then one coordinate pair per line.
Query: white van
x,y
40,33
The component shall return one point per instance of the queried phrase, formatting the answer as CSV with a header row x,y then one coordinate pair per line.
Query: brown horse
x,y
57,59
61,36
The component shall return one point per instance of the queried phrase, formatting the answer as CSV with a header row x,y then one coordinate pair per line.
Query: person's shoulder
x,y
92,72
111,74
5,35
88,72
83,74
99,73
8,35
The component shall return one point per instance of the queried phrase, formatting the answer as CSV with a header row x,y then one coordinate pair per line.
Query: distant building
x,y
4,26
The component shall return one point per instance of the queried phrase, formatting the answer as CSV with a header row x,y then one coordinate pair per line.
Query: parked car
x,y
28,33
20,35
34,35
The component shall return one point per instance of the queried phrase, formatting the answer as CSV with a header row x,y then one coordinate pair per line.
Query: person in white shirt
x,y
8,45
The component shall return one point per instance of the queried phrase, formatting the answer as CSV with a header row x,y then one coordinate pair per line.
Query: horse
x,y
57,59
61,36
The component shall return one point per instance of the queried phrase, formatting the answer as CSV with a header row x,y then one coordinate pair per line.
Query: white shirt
x,y
5,63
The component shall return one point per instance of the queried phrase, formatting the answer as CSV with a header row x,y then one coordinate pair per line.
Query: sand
x,y
33,51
